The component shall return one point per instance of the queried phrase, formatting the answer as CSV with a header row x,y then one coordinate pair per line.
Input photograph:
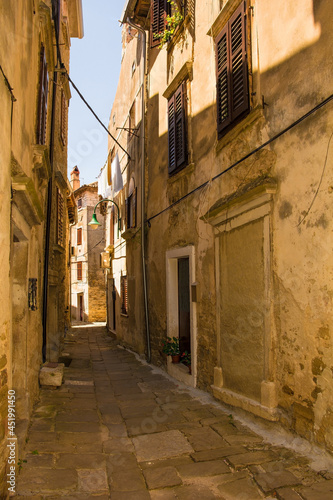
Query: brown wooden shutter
x,y
176,129
180,125
79,271
238,57
126,214
222,84
79,236
172,134
231,70
42,100
124,295
63,121
133,207
158,13
60,216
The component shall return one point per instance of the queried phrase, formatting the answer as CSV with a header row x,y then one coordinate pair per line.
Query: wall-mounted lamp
x,y
94,222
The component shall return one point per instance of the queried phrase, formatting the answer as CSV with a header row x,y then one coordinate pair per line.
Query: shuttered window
x,y
177,129
79,236
158,12
79,271
60,218
42,98
124,295
63,118
232,87
130,210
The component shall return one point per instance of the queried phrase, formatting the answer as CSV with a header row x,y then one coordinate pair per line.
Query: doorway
x,y
111,310
181,309
80,306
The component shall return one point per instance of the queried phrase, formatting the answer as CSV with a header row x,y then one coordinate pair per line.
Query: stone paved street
x,y
119,429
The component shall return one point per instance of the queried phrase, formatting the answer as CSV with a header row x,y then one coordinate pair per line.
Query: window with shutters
x,y
60,218
232,86
42,98
177,130
130,206
158,12
79,236
79,271
124,295
79,203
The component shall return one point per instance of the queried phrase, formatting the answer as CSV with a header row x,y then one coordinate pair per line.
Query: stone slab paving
x,y
119,429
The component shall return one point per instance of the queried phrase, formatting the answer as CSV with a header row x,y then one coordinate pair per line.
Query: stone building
x,y
123,184
238,144
88,302
36,201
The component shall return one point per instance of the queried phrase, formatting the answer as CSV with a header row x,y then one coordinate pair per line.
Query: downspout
x,y
143,189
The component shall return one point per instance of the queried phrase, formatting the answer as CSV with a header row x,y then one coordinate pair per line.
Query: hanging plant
x,y
172,22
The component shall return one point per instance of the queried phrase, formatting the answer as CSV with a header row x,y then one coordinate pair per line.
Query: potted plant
x,y
171,348
185,358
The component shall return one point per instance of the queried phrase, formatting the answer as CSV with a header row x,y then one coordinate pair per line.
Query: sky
x,y
94,68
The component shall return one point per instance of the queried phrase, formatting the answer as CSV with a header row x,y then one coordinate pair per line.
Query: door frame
x,y
172,257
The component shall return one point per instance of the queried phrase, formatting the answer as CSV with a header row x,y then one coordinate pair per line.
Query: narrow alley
x,y
121,429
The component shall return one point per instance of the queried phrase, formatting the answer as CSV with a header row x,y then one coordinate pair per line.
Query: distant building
x,y
87,282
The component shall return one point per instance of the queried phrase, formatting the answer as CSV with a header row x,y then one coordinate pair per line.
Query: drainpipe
x,y
143,238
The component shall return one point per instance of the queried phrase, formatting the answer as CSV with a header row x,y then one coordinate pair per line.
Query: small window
x,y
112,239
131,121
177,130
124,295
232,87
42,98
79,271
79,236
60,218
133,68
79,203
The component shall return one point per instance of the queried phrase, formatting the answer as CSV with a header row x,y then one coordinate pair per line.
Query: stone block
x,y
162,477
271,480
51,376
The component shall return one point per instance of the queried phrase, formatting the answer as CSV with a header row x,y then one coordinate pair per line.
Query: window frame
x,y
60,215
232,71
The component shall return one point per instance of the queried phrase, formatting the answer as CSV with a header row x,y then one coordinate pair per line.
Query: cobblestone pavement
x,y
117,429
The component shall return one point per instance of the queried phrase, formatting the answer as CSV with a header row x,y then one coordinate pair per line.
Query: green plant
x,y
35,452
171,346
186,358
20,463
172,22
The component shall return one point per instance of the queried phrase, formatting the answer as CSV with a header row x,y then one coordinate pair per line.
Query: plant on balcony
x,y
172,23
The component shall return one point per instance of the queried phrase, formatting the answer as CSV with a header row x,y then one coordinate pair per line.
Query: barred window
x,y
60,218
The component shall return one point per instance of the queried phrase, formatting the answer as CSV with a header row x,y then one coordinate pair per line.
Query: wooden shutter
x,y
158,13
63,120
176,129
133,207
126,213
231,70
222,84
79,236
60,217
238,57
124,295
42,99
79,271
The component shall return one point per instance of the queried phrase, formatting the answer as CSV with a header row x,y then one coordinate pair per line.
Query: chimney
x,y
75,178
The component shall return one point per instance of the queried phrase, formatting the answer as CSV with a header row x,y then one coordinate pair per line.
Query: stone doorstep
x,y
51,376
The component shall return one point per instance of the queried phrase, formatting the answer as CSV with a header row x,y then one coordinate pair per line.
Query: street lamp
x,y
94,222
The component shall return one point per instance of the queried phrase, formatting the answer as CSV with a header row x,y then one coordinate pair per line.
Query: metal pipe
x,y
143,238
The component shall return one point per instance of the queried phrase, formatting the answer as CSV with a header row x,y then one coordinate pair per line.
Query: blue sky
x,y
94,68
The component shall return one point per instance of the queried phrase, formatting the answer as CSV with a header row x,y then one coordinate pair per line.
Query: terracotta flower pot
x,y
175,358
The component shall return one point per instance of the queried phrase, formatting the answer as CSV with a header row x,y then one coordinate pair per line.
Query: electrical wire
x,y
254,151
